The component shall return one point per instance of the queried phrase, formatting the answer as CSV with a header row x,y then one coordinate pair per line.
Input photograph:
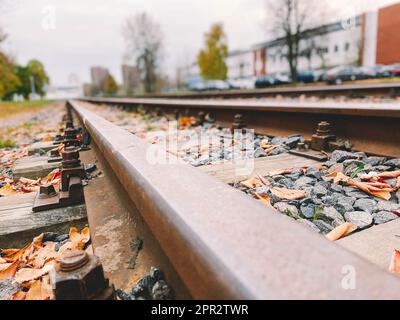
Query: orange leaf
x,y
395,262
35,292
19,295
79,239
10,271
288,194
341,231
29,274
252,183
265,199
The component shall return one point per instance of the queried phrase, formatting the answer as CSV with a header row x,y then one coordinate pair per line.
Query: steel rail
x,y
371,127
384,89
223,244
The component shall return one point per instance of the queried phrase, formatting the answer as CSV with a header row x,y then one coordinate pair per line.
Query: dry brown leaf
x,y
288,194
29,182
79,239
280,172
252,183
398,183
45,254
28,274
9,252
341,231
395,262
2,260
389,174
7,190
47,290
265,199
19,295
10,271
35,291
264,143
4,266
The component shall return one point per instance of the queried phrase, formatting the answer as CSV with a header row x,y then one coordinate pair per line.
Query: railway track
x,y
212,241
322,91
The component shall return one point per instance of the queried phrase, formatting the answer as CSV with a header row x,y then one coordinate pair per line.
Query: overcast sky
x,y
88,32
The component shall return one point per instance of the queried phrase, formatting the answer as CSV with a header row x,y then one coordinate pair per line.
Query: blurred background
x,y
62,49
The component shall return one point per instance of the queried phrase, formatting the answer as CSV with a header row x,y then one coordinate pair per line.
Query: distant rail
x,y
371,127
389,89
223,244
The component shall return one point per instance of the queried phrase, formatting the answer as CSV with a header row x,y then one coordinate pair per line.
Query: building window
x,y
336,48
347,46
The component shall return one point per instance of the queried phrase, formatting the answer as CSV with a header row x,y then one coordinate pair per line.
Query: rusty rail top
x,y
391,110
222,243
342,89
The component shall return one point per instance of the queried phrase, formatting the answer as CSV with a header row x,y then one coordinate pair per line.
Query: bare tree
x,y
289,19
144,45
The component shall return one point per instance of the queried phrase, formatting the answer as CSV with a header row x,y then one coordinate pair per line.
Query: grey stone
x,y
360,218
287,183
286,208
319,190
340,156
314,173
329,163
307,209
262,190
393,163
331,216
375,161
278,140
336,187
7,288
277,151
329,201
386,206
323,226
383,217
356,193
309,224
345,204
259,152
292,141
303,181
366,205
381,168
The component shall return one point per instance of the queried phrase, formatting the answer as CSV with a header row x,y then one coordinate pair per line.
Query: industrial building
x,y
365,40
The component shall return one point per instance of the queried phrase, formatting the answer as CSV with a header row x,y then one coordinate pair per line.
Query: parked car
x,y
305,76
391,70
346,73
264,82
281,78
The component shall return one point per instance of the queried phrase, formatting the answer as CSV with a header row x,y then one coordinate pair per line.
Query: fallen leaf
x,y
10,271
398,183
264,143
4,265
280,172
7,190
395,262
79,239
29,274
19,295
265,199
288,194
341,231
29,182
252,183
45,254
35,291
390,175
